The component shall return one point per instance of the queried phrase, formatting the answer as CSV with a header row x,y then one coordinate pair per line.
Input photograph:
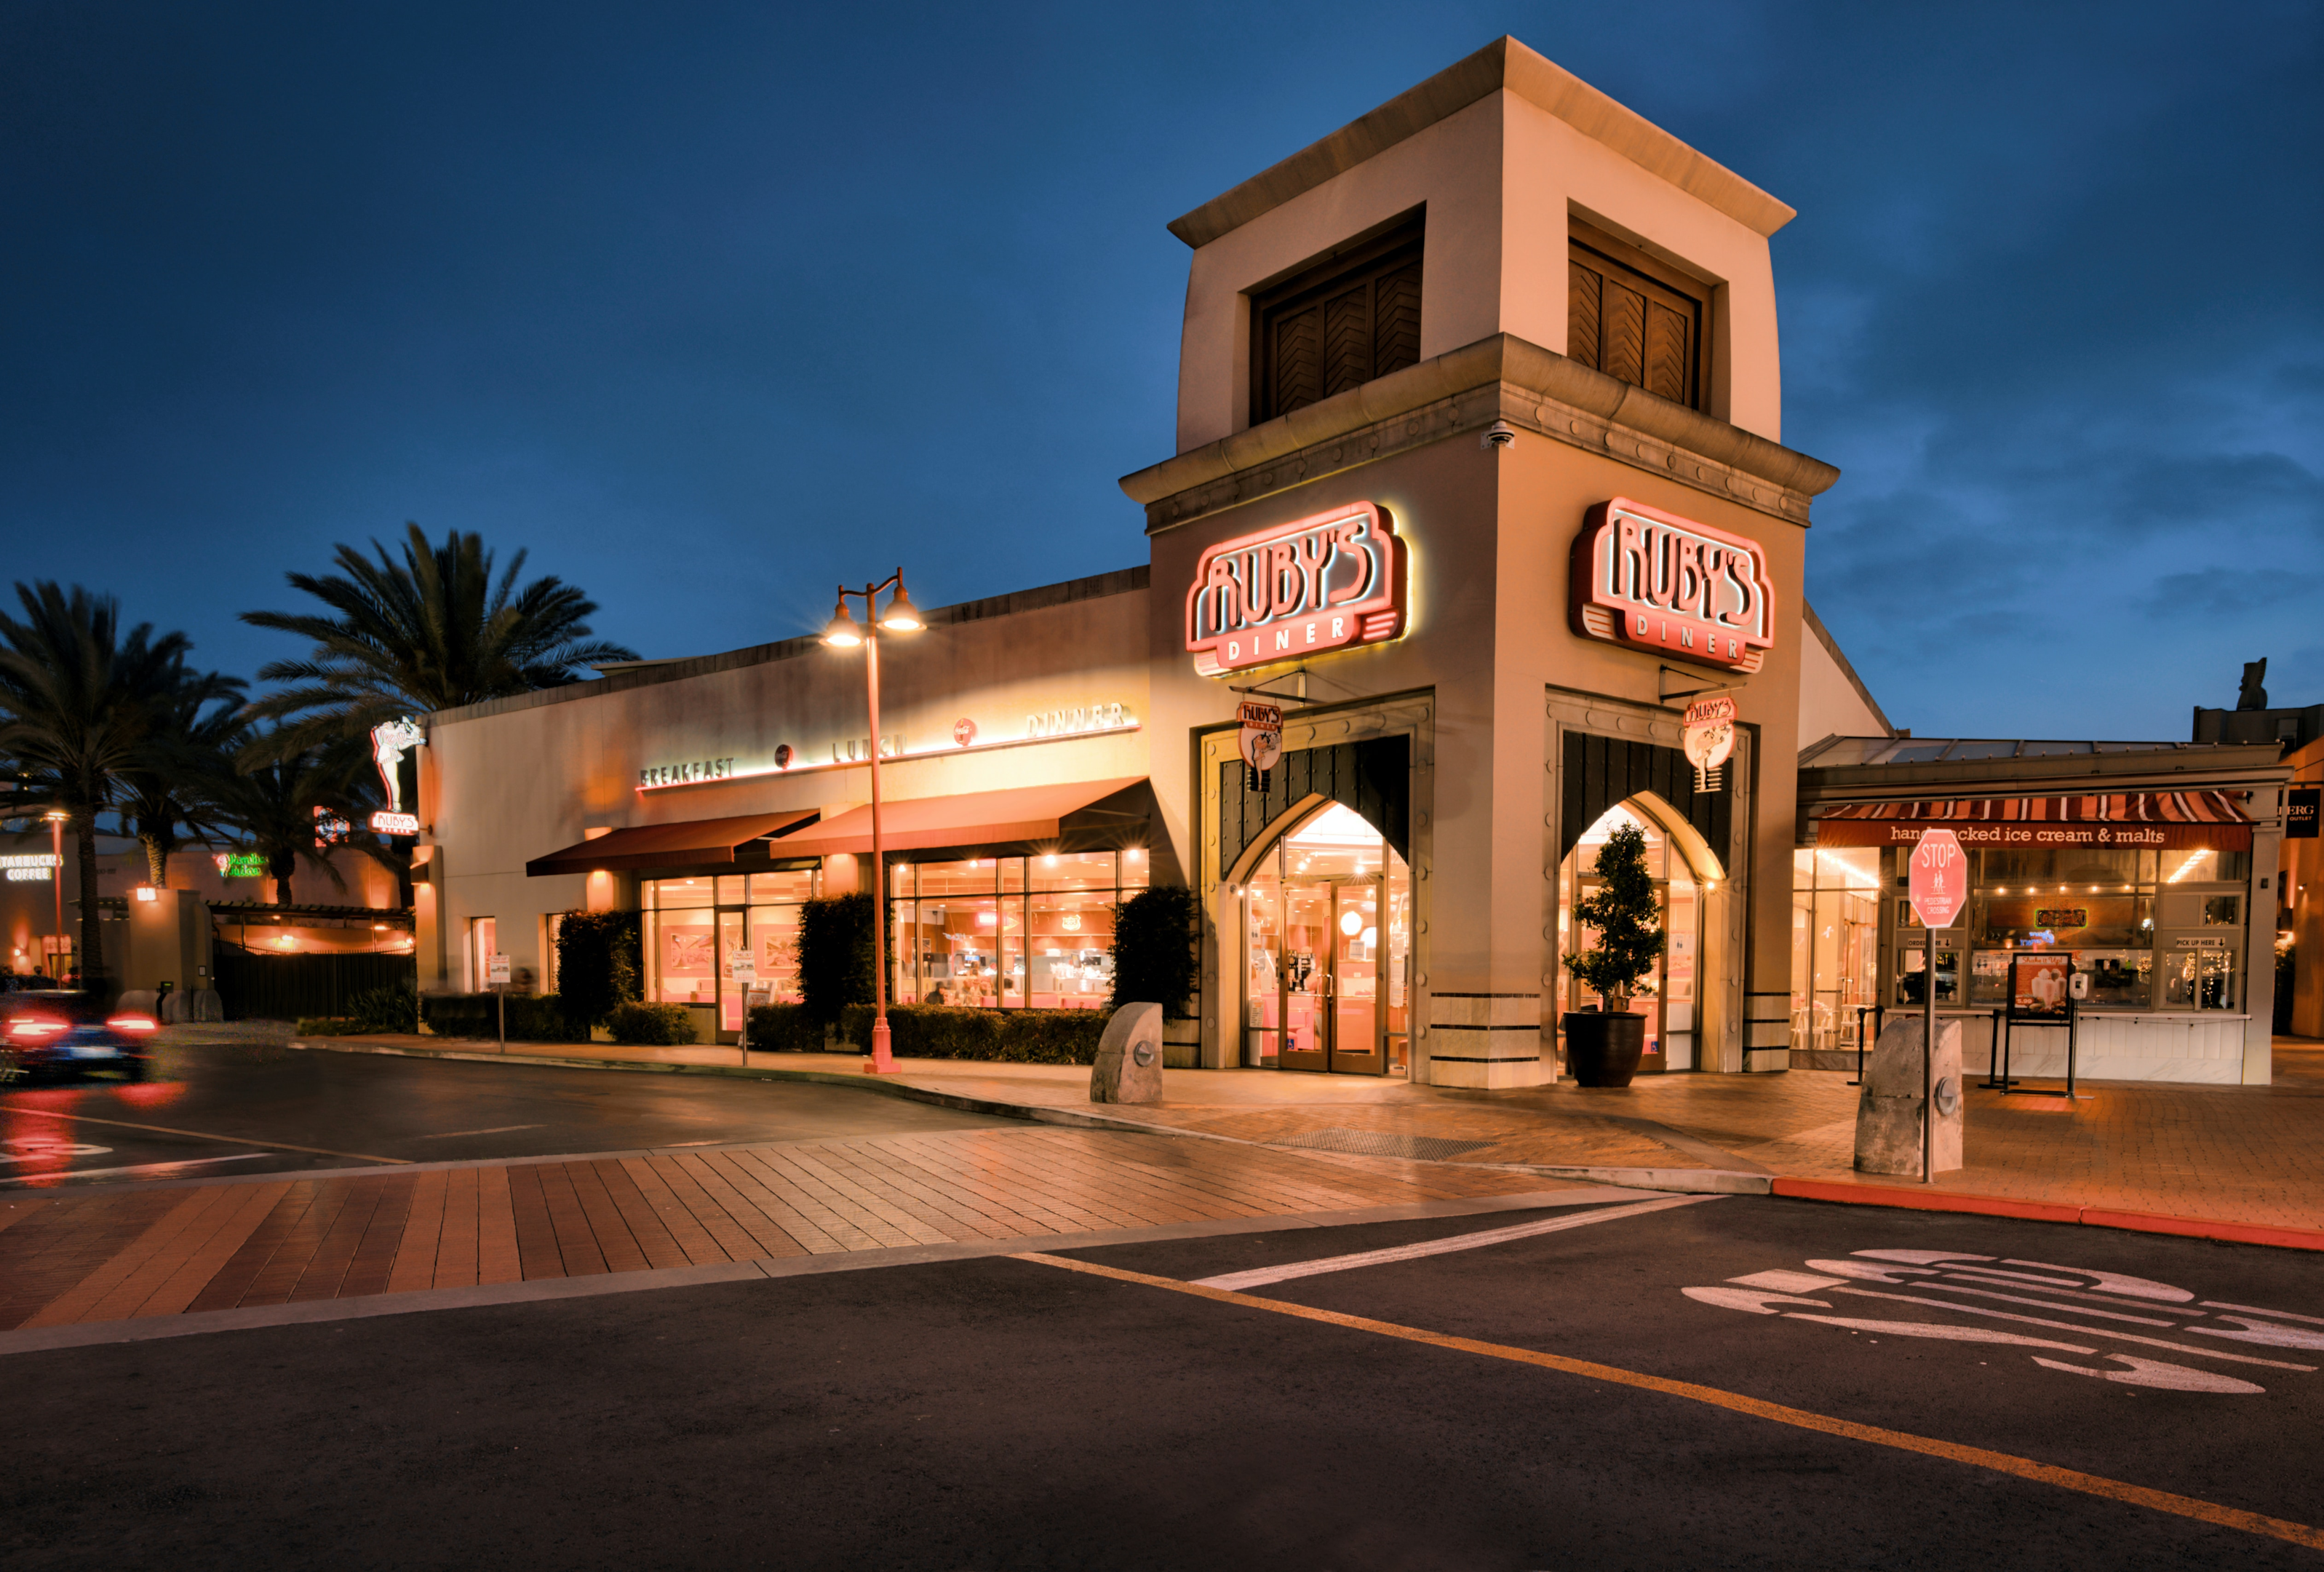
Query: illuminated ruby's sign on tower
x,y
1329,582
1655,581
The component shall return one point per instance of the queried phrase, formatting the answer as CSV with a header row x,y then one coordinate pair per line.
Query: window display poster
x,y
685,952
2039,984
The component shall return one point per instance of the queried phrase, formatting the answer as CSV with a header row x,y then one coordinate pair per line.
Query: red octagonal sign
x,y
1939,886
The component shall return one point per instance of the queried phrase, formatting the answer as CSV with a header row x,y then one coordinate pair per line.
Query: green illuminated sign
x,y
242,864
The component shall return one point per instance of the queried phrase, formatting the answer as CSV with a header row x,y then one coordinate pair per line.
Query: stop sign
x,y
1940,884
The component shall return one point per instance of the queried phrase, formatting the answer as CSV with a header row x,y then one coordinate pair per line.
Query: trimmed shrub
x,y
994,1036
784,1028
1156,958
330,1026
651,1025
596,965
837,963
531,1018
386,1010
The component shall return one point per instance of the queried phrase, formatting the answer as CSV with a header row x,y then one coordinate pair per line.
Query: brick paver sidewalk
x,y
125,1253
2241,1154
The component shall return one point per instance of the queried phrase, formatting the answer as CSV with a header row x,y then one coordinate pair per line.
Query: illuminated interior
x,y
1328,956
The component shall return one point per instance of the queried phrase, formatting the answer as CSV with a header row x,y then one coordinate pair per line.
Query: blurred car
x,y
60,1032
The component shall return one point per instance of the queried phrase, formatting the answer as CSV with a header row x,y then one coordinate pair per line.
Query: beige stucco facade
x,y
1487,456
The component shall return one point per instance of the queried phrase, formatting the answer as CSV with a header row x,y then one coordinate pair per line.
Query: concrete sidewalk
x,y
2248,1155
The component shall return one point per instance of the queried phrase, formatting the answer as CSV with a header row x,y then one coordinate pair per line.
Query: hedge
x,y
1156,960
941,1032
531,1017
596,964
651,1025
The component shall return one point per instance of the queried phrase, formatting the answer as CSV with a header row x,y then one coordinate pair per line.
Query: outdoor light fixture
x,y
148,893
844,632
841,632
903,617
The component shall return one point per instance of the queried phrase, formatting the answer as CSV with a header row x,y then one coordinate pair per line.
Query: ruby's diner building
x,y
1478,471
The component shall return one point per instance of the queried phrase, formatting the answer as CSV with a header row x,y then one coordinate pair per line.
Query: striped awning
x,y
2127,820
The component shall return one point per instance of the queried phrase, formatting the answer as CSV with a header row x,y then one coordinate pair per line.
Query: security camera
x,y
1500,434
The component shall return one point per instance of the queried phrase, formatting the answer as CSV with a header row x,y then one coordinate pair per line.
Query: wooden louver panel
x,y
1583,320
1635,318
1299,357
1347,340
1395,339
1337,326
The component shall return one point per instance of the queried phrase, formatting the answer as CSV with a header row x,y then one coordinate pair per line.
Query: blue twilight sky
x,y
708,306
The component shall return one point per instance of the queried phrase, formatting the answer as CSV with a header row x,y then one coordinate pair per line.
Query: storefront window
x,y
695,928
2138,925
1010,933
1836,946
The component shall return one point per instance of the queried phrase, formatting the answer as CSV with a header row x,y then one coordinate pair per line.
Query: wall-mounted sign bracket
x,y
1264,691
1685,682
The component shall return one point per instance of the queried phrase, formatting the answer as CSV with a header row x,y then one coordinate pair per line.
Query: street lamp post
x,y
56,817
844,632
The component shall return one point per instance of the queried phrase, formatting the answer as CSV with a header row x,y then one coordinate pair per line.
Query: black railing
x,y
254,986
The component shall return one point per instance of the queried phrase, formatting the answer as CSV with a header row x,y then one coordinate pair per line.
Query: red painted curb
x,y
2049,1212
1925,1200
2203,1228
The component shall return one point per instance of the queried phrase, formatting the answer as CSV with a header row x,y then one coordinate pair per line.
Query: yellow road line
x,y
2186,1506
198,1136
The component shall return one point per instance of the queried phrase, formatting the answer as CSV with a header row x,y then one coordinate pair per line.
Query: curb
x,y
2049,1212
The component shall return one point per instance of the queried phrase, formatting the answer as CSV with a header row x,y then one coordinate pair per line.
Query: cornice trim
x,y
1504,63
1500,378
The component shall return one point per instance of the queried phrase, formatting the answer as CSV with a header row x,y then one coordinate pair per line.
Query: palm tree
x,y
432,632
186,753
272,805
80,704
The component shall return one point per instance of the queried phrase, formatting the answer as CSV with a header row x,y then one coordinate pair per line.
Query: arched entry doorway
x,y
1327,949
1687,875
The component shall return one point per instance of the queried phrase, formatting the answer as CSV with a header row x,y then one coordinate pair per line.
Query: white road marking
x,y
1772,1293
27,1178
33,1149
2070,1326
495,1129
2254,1309
1266,1274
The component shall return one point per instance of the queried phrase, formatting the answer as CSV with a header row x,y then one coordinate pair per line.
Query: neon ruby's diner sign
x,y
1330,582
1655,582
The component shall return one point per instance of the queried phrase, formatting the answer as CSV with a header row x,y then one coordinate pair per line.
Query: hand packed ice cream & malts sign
x,y
1331,581
1653,581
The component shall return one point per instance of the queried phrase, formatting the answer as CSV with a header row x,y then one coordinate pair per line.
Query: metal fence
x,y
254,986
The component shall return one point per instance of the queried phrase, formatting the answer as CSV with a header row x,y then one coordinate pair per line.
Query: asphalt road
x,y
1004,1413
225,1109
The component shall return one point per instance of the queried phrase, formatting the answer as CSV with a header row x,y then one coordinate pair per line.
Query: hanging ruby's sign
x,y
1655,582
1330,582
1708,739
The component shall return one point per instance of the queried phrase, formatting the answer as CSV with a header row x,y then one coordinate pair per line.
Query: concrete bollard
x,y
1128,1067
207,1005
139,1001
1888,1118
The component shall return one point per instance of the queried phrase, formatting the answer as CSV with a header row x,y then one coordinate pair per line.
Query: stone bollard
x,y
208,1006
1888,1118
1128,1067
139,1001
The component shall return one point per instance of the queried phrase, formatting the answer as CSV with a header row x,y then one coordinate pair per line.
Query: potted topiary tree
x,y
1602,1045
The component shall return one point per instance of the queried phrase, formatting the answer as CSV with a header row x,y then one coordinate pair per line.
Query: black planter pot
x,y
1602,1050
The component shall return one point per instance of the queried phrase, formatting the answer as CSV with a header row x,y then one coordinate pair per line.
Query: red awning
x,y
691,844
2127,820
981,818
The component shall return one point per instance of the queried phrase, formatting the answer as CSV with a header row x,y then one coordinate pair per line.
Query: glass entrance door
x,y
1327,951
1306,974
1353,981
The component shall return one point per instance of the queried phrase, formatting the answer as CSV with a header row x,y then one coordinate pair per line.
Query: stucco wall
x,y
505,784
1832,704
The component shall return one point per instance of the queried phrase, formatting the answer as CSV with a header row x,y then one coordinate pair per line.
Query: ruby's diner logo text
x,y
1329,582
1653,581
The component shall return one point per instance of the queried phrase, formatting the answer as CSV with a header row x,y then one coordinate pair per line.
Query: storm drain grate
x,y
1385,1144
